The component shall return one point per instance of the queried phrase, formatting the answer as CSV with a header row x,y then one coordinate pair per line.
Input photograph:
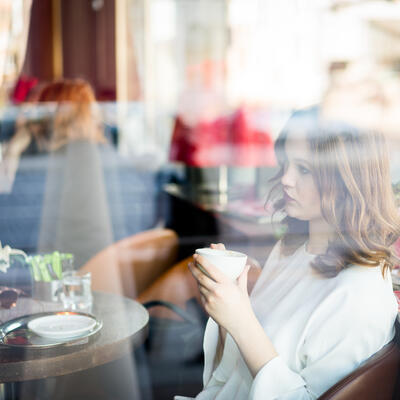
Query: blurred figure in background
x,y
65,187
55,150
82,186
77,116
75,216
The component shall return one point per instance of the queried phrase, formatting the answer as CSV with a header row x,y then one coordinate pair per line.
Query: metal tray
x,y
15,333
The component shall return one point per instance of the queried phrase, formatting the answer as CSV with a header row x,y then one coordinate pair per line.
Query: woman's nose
x,y
288,178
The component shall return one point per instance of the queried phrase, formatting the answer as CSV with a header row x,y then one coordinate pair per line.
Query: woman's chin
x,y
291,211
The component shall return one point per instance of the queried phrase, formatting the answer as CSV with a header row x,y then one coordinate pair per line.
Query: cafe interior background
x,y
190,96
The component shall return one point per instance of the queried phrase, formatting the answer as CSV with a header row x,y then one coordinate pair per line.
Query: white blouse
x,y
322,328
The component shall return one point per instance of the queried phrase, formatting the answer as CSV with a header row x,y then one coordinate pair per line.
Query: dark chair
x,y
377,379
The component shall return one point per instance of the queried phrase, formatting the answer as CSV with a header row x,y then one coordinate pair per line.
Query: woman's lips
x,y
287,198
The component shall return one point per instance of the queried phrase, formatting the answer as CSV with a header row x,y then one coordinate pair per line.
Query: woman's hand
x,y
229,305
225,301
218,246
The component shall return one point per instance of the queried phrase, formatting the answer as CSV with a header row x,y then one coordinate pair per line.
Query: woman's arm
x,y
252,277
253,343
229,305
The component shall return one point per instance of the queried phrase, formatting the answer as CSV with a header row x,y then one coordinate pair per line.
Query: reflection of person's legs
x,y
176,286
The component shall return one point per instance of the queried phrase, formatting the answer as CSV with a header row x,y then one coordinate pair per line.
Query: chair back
x,y
131,265
376,379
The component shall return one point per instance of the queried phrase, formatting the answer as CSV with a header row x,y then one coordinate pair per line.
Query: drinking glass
x,y
76,292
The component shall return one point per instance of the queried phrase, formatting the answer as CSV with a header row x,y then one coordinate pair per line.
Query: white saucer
x,y
61,326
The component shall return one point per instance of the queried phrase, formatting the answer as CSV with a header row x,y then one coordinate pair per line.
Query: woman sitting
x,y
324,301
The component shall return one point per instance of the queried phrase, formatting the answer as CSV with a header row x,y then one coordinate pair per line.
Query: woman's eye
x,y
303,170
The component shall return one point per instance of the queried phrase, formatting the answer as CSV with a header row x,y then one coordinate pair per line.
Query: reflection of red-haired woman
x,y
41,128
76,116
76,214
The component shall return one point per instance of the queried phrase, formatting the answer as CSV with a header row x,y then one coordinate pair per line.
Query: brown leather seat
x,y
130,265
377,379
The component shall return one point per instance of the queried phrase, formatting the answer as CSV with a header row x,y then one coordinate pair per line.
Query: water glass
x,y
76,292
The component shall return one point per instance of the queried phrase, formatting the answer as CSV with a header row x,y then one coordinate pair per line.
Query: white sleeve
x,y
277,381
210,343
340,336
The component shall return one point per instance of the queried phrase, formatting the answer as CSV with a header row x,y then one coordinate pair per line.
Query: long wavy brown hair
x,y
351,171
76,116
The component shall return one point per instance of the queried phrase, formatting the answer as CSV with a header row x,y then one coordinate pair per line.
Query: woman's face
x,y
302,199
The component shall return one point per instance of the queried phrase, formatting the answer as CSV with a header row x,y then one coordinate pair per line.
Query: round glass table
x,y
124,327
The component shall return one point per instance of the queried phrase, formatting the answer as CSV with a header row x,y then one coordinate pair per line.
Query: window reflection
x,y
134,132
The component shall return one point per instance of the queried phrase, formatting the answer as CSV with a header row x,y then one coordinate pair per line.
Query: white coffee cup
x,y
229,262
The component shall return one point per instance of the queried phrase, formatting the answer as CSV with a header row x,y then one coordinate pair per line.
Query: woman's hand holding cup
x,y
222,278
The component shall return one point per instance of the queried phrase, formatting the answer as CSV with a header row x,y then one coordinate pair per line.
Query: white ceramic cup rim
x,y
220,253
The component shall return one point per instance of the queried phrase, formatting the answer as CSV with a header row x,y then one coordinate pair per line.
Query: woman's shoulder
x,y
360,281
365,288
357,300
363,277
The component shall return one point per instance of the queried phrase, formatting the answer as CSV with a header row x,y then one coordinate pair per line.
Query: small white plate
x,y
61,326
